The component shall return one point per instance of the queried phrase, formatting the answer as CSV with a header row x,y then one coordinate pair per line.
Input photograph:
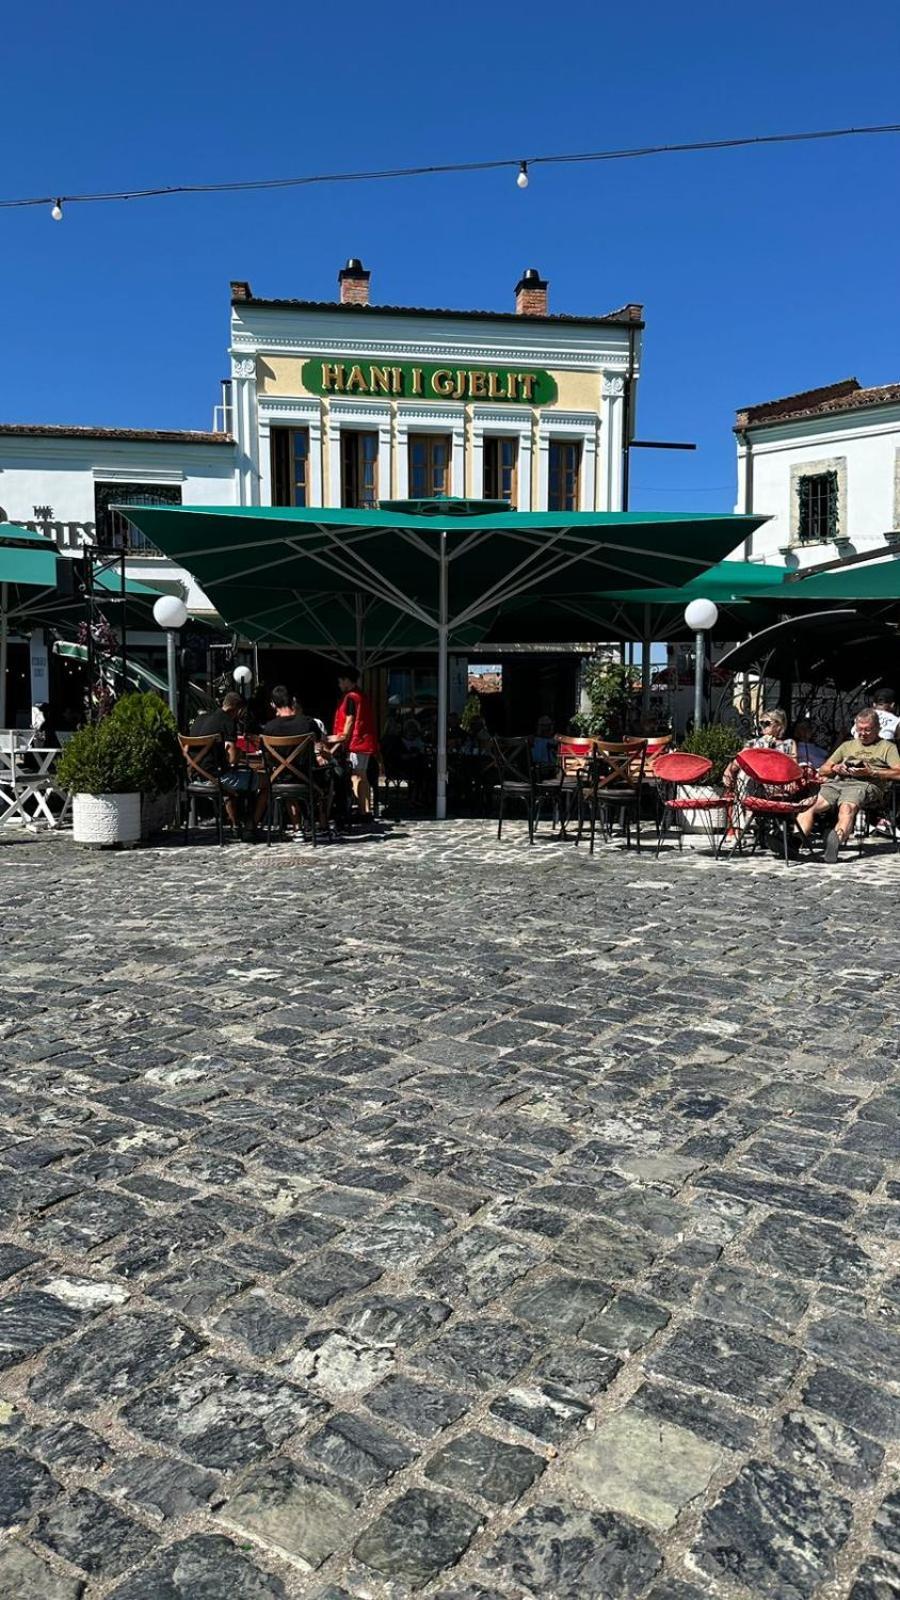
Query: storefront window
x,y
500,469
290,466
429,465
359,469
565,469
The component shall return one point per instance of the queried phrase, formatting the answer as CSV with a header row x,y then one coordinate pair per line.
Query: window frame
x,y
493,470
429,441
561,445
283,462
352,441
822,521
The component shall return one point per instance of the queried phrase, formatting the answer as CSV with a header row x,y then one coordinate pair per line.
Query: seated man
x,y
854,778
221,762
290,721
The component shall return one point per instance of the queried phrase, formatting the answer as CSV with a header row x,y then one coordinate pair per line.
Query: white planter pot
x,y
106,819
698,821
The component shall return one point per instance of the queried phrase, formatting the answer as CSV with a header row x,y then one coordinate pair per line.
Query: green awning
x,y
865,580
26,557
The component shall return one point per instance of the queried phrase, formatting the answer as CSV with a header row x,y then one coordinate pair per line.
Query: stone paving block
x,y
553,1550
564,1305
195,1288
93,1535
423,1408
400,1236
485,1354
203,1567
480,1265
807,1441
774,1532
748,1300
105,1364
68,1444
262,1327
162,1488
418,1536
798,1248
293,1511
25,1486
31,1320
333,1363
747,1365
546,1412
853,1342
708,1415
360,1452
877,1579
886,1527
643,1467
325,1277
394,1319
28,1575
607,1250
221,1415
14,1259
476,1463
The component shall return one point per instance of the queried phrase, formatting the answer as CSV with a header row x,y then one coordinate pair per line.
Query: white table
x,y
27,775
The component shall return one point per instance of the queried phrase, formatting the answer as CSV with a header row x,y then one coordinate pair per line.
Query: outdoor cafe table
x,y
27,779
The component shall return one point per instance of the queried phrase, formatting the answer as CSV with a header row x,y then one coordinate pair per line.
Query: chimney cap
x,y
531,279
353,269
240,289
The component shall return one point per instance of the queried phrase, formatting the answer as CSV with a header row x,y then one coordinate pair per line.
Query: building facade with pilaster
x,y
347,402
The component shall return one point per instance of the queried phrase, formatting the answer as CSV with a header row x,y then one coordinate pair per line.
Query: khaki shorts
x,y
850,792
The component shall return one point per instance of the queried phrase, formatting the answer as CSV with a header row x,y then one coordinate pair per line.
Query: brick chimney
x,y
354,282
531,294
240,291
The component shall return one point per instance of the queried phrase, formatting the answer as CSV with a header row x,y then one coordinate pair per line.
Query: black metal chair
x,y
614,782
294,775
512,758
200,782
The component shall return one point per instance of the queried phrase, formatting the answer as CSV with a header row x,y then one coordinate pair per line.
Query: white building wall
x,y
863,448
47,471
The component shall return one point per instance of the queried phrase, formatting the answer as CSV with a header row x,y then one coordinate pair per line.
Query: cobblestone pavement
x,y
432,1215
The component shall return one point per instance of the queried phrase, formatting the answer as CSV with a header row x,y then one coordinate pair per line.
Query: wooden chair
x,y
614,781
574,755
201,783
290,765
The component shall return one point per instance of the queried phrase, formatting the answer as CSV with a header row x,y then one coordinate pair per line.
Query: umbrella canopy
x,y
842,647
866,581
131,672
26,557
445,565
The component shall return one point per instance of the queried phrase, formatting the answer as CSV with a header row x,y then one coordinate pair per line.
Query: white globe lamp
x,y
170,613
242,676
700,616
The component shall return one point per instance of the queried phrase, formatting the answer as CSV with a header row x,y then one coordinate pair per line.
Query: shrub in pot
x,y
109,765
719,744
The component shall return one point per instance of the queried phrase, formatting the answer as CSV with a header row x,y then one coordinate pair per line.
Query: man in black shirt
x,y
289,718
220,760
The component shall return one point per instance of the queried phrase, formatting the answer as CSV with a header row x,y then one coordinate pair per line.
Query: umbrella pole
x,y
645,664
443,631
4,634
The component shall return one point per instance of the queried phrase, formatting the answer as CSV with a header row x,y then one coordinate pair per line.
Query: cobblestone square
x,y
433,1216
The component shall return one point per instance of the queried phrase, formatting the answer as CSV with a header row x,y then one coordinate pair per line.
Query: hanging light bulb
x,y
56,212
522,179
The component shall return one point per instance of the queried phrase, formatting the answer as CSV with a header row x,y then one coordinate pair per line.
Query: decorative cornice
x,y
490,416
360,410
584,422
597,359
437,416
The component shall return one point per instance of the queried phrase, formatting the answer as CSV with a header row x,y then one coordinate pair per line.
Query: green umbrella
x,y
434,569
870,581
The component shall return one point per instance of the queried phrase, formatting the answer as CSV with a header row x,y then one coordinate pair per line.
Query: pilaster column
x,y
244,414
609,485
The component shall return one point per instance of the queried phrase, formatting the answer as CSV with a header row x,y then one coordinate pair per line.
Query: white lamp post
x,y
242,677
171,614
700,616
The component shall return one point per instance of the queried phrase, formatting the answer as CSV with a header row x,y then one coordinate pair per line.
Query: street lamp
x,y
242,677
171,614
700,616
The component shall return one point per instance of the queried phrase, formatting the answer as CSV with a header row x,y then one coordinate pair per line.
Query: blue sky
x,y
762,271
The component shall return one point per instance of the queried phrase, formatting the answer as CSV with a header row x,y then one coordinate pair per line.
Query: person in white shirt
x,y
888,720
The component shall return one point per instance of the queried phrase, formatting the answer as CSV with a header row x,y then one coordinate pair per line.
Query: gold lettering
x,y
378,380
356,383
527,380
477,381
396,380
416,380
495,388
332,375
460,387
442,380
511,391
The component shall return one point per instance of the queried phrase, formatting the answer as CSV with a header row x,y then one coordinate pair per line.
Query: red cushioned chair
x,y
782,789
673,771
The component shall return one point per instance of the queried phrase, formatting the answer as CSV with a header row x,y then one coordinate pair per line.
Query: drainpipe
x,y
747,508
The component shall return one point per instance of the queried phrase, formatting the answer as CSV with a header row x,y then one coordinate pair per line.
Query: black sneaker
x,y
832,846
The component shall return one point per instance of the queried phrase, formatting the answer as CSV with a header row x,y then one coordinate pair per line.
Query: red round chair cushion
x,y
680,767
769,766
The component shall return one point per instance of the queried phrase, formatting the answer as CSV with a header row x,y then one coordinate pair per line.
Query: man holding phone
x,y
856,774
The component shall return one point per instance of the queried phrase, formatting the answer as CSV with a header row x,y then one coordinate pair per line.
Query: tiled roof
x,y
832,399
627,316
56,430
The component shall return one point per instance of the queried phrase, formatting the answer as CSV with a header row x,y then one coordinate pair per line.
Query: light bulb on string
x,y
56,213
522,179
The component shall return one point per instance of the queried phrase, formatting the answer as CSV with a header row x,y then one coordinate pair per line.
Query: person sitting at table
x,y
809,754
854,774
543,749
220,761
289,718
772,736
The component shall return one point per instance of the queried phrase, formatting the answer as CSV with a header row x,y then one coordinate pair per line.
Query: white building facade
x,y
825,467
345,403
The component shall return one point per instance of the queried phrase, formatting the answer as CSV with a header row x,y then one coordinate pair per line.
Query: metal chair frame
x,y
198,783
295,756
615,779
516,774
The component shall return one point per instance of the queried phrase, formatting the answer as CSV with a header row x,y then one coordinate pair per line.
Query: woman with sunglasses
x,y
772,736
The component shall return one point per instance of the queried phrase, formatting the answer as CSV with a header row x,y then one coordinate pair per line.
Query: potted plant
x,y
114,766
720,744
609,689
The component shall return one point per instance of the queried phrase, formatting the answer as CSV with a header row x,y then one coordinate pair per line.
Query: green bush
x,y
716,741
609,687
133,750
470,711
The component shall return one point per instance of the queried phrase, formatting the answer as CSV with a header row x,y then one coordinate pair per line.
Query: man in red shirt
x,y
354,725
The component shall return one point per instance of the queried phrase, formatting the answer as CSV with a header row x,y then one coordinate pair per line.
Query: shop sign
x,y
428,382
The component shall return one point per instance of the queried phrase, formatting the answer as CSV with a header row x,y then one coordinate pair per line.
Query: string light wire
x,y
518,163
